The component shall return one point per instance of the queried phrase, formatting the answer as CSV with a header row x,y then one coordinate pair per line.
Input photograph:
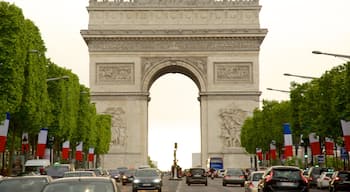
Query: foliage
x,y
32,90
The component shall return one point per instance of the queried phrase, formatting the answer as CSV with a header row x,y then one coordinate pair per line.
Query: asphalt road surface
x,y
213,185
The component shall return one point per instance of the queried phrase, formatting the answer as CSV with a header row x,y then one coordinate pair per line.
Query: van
x,y
37,166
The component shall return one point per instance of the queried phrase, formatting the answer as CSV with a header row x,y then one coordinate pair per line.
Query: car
x,y
324,179
79,174
196,176
283,178
115,174
82,184
314,173
128,176
340,181
221,173
24,183
98,172
251,185
147,179
234,176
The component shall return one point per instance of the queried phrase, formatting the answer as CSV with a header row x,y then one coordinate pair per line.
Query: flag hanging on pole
x,y
91,154
65,150
273,150
346,134
4,127
25,143
315,144
288,142
329,145
259,153
42,139
79,152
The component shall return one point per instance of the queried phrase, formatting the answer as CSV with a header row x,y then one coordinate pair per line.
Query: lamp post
x,y
57,78
331,54
279,90
300,76
51,139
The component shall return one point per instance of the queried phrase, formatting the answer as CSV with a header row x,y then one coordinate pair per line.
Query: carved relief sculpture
x,y
232,121
234,72
115,73
118,129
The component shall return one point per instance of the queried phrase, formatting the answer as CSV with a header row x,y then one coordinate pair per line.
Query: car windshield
x,y
344,176
287,174
79,186
257,176
28,185
234,172
79,174
197,171
146,173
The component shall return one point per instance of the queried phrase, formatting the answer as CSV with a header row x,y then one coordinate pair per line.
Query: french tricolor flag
x,y
273,150
346,133
288,142
259,153
42,139
91,154
4,127
79,152
65,150
314,144
329,145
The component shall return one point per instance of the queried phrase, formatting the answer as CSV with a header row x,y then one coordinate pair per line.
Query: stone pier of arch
x,y
215,43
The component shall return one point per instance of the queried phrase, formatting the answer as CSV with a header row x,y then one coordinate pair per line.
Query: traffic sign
x,y
320,158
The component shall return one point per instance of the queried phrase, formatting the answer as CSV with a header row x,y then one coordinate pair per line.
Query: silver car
x,y
234,176
24,183
82,184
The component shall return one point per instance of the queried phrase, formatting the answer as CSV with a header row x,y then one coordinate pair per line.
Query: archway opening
x,y
174,116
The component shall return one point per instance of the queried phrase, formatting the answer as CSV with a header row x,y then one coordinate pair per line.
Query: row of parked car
x,y
277,178
328,178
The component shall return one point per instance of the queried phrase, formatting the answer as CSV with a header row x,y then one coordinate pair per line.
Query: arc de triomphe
x,y
216,43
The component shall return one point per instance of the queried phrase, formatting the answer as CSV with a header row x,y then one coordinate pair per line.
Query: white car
x,y
251,185
221,173
324,179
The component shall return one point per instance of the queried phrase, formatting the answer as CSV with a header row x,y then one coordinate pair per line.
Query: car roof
x,y
284,167
72,179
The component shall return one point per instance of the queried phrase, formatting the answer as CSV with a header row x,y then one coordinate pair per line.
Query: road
x,y
213,185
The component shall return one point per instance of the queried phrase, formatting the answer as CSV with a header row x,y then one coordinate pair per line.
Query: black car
x,y
283,178
196,176
147,179
128,176
340,181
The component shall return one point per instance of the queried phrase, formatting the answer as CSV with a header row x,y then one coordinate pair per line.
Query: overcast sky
x,y
296,27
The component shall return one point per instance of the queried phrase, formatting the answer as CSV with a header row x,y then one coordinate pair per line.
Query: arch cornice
x,y
193,67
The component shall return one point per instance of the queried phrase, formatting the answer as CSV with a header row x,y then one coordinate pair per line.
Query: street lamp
x,y
57,78
331,54
300,76
279,90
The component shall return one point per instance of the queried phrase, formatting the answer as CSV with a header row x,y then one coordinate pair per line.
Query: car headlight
x,y
125,177
136,181
116,176
156,181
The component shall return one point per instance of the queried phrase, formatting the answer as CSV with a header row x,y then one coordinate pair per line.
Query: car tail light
x,y
241,176
251,185
304,178
268,178
327,178
337,178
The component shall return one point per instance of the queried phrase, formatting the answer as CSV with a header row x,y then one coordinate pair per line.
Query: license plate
x,y
197,175
146,184
288,184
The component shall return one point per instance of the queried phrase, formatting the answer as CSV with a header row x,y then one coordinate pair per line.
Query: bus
x,y
215,163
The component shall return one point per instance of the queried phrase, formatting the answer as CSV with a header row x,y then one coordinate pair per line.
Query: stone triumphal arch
x,y
214,42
